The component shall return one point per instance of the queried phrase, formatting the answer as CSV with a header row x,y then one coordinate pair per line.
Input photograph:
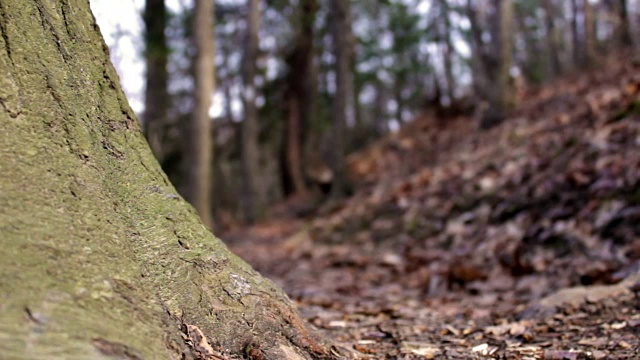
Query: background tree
x,y
590,38
623,29
583,24
300,93
156,96
101,258
494,59
405,59
552,37
250,196
200,145
504,97
342,46
445,32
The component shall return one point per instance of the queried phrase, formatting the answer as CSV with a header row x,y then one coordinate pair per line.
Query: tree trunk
x,y
552,37
532,62
479,62
584,36
380,118
301,85
590,40
448,50
156,96
397,92
200,152
294,148
501,95
504,86
624,32
575,34
341,30
101,259
250,161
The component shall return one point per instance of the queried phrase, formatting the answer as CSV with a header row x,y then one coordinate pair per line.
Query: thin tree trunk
x,y
448,50
100,256
552,37
156,98
301,83
293,148
624,32
505,98
309,98
250,196
380,120
578,58
501,95
590,40
341,28
532,63
200,145
227,82
584,35
397,92
479,63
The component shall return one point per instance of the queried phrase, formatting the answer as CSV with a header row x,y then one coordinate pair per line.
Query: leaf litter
x,y
520,242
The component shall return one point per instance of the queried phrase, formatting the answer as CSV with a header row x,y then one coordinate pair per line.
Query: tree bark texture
x,y
156,54
200,153
251,196
101,258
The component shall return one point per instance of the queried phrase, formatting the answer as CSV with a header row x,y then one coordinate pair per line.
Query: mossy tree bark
x,y
100,257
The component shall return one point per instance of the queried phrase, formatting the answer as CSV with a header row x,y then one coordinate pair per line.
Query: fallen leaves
x,y
507,244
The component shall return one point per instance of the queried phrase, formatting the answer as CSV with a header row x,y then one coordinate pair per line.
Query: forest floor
x,y
519,242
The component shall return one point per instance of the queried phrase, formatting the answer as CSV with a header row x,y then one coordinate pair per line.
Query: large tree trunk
x,y
250,197
156,96
200,153
101,259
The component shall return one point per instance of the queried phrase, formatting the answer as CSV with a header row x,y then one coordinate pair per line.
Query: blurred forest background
x,y
250,103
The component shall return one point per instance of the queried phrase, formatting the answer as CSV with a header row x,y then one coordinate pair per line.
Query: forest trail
x,y
520,242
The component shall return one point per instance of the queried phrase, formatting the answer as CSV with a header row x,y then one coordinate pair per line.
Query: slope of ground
x,y
520,242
